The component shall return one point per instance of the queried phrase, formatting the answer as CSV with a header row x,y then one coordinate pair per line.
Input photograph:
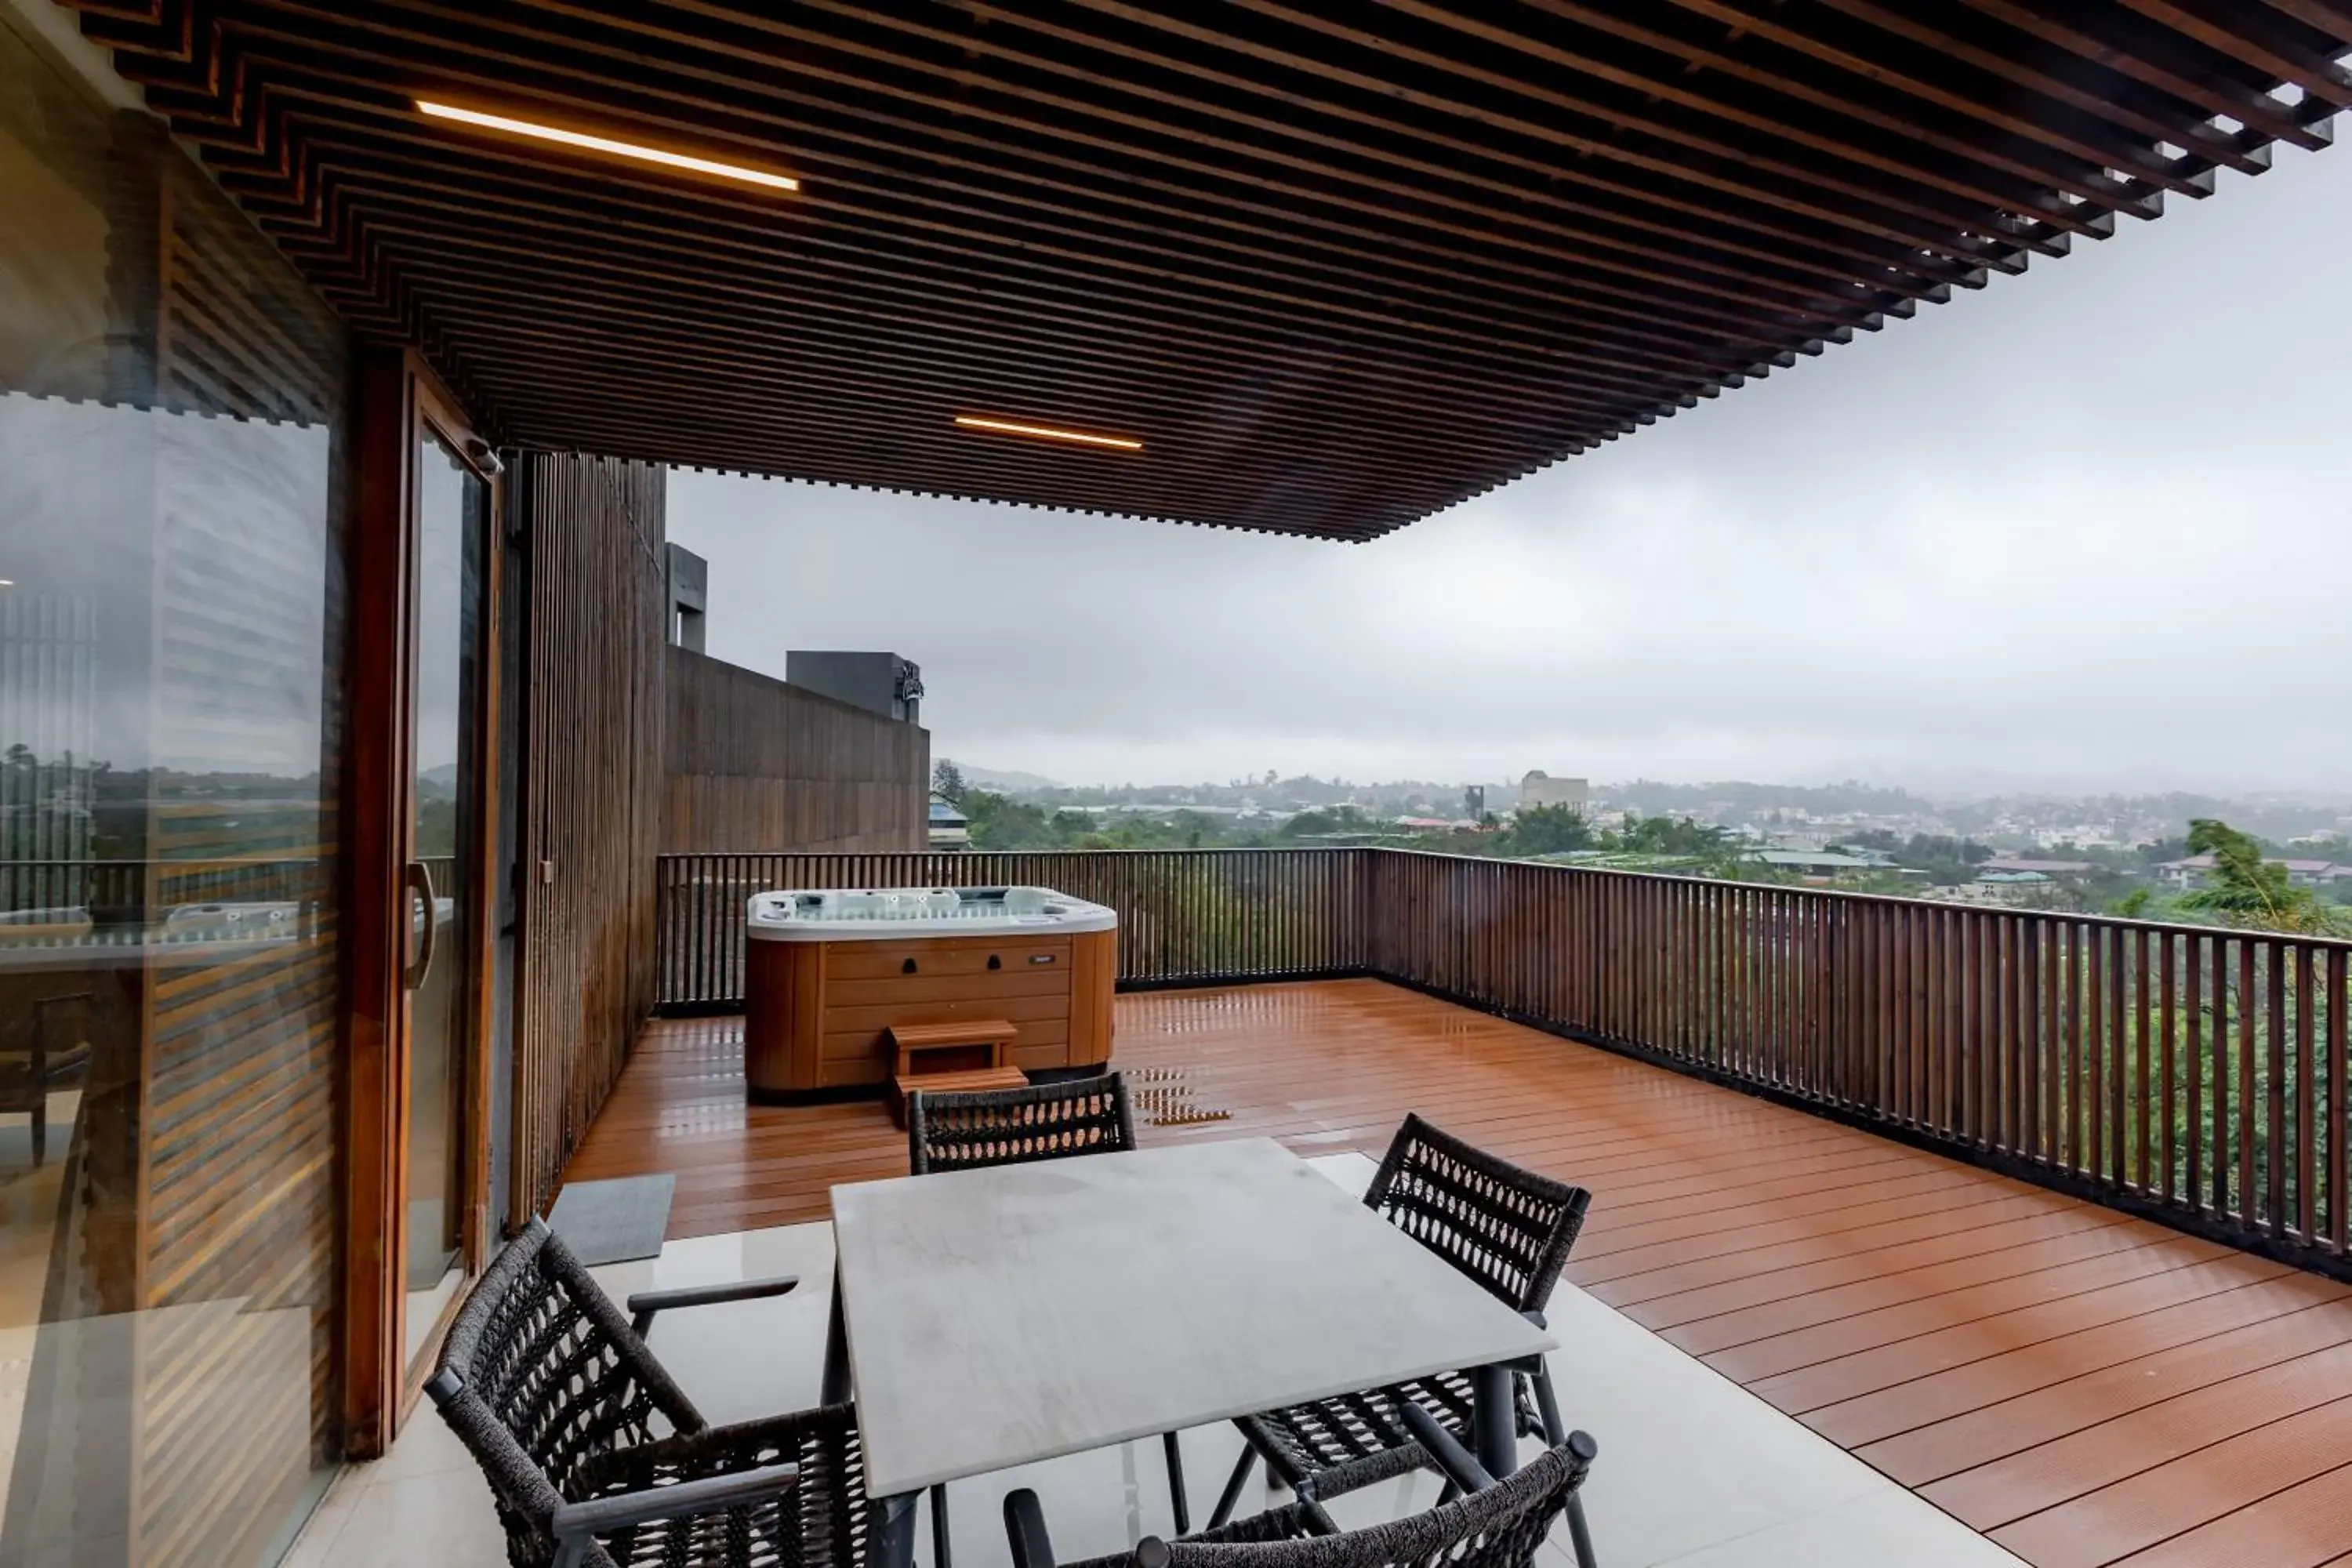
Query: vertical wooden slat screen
x,y
2189,1072
593,533
751,762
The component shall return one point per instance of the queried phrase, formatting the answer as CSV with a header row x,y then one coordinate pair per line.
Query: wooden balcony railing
x,y
109,888
1186,916
2191,1073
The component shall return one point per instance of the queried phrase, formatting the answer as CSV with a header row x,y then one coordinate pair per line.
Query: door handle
x,y
417,882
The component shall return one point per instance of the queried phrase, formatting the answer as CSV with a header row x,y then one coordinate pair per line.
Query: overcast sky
x,y
2088,529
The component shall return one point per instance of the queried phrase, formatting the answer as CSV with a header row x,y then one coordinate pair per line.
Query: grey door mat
x,y
615,1221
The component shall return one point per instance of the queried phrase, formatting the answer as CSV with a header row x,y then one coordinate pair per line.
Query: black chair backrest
x,y
1509,1228
541,1375
1014,1126
1500,1527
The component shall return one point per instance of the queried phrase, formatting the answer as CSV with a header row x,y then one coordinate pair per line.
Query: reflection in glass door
x,y
444,860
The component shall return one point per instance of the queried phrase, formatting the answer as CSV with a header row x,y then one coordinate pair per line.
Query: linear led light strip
x,y
1047,432
606,145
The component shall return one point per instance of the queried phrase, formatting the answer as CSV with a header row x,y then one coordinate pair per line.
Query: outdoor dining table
x,y
991,1317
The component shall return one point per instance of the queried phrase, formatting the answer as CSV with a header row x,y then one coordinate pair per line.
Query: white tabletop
x,y
1002,1316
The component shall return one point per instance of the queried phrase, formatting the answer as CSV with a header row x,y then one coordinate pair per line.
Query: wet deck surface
x,y
2082,1387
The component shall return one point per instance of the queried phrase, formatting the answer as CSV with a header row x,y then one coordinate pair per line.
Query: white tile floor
x,y
1694,1472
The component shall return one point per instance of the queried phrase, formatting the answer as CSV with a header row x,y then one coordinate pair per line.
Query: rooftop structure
x,y
1824,861
1999,863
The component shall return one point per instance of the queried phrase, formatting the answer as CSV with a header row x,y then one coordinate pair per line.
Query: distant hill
x,y
990,779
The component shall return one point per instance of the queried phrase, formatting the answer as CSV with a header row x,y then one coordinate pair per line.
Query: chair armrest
x,y
1447,1449
645,1303
1025,1530
575,1522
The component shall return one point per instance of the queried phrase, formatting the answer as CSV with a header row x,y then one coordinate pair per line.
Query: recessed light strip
x,y
1122,443
606,145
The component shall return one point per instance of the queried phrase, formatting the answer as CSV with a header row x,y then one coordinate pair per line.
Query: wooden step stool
x,y
951,1058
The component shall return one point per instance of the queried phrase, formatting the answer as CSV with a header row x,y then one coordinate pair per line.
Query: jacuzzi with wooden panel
x,y
831,974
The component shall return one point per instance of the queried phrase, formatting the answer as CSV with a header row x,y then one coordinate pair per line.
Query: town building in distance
x,y
1540,788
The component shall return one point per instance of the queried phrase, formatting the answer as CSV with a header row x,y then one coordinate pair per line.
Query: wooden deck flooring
x,y
2082,1387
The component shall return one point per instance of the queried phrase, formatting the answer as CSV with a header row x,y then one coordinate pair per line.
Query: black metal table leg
x,y
1181,1505
894,1542
1493,1420
835,1388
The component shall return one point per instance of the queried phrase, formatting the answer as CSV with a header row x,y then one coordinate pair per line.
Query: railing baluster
x,y
2339,1117
2168,1188
2140,1094
2192,1007
2249,1207
2275,1073
2306,1210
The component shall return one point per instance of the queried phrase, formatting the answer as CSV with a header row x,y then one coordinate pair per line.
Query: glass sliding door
x,y
175,441
448,710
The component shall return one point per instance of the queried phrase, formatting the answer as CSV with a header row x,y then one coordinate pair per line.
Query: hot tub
x,y
829,973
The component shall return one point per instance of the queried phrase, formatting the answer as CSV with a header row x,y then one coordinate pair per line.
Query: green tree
x,y
1330,819
1550,830
946,783
2246,890
1668,836
1001,823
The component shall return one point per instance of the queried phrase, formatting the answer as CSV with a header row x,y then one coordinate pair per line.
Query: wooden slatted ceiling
x,y
1337,265
2084,1387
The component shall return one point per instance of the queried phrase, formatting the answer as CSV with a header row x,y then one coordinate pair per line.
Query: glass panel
x,y
172,443
452,533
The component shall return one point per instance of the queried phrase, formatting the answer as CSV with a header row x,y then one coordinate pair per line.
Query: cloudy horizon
x,y
2084,530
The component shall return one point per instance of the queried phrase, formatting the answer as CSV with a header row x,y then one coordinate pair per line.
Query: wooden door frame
x,y
399,402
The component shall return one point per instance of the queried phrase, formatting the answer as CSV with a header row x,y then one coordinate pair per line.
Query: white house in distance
x,y
1540,788
2197,869
949,828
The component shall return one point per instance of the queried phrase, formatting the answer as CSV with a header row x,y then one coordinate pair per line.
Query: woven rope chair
x,y
597,1459
1490,1525
1014,1126
1508,1228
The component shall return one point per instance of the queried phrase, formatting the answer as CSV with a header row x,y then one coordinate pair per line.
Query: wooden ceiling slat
x,y
1367,128
2330,18
2209,88
972,390
1338,264
1825,309
2205,145
1409,366
1387,185
1058,264
1554,62
1859,210
2245,35
1905,82
1024,473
